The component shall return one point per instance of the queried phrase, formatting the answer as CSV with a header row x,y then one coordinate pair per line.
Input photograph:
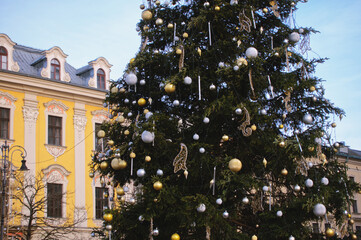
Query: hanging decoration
x,y
180,161
199,88
209,33
245,22
251,83
287,100
254,20
181,58
246,131
274,7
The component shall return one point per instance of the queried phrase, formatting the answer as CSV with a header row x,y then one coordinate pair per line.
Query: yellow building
x,y
52,109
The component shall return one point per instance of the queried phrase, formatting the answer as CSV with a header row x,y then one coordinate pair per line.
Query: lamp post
x,y
5,157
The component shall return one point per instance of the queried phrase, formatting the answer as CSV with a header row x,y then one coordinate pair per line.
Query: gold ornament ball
x,y
122,199
330,232
217,8
169,88
146,111
91,174
103,165
142,102
185,35
159,22
175,236
147,15
349,215
282,144
281,126
354,237
157,185
108,217
312,88
170,25
122,90
235,165
132,60
120,191
145,28
333,125
157,2
284,172
122,164
110,142
126,132
114,108
142,6
311,148
148,158
101,134
254,127
351,222
254,237
178,51
225,138
115,163
120,119
265,10
132,155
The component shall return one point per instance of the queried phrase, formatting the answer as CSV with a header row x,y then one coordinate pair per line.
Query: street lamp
x,y
5,156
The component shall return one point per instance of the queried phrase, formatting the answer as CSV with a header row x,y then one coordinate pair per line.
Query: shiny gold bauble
x,y
349,215
114,108
103,165
108,217
114,90
122,90
157,185
157,2
265,10
147,15
120,119
311,148
159,21
284,172
142,6
217,8
101,134
235,165
185,35
254,127
254,237
115,163
312,88
132,60
175,236
142,102
132,155
280,126
148,158
169,88
120,191
353,236
110,142
170,25
126,132
145,28
91,174
330,232
122,199
122,164
225,138
178,51
282,144
146,111
333,125
351,222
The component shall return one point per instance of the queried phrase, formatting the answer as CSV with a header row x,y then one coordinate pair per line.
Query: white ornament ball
x,y
301,30
319,210
221,64
265,188
279,213
245,200
251,52
235,68
142,82
309,183
234,2
176,103
307,119
131,200
238,111
159,21
325,181
310,164
318,140
176,38
225,214
291,238
205,120
206,4
134,102
126,101
212,87
148,115
201,208
187,80
219,201
263,111
147,136
130,114
141,172
131,79
155,232
285,41
125,189
196,137
297,188
202,150
141,218
160,172
294,37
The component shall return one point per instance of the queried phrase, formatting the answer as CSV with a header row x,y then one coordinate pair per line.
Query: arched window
x,y
3,58
101,78
55,69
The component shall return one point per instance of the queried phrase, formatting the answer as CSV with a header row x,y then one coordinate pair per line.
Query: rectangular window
x,y
4,62
101,81
354,206
97,141
100,202
54,130
352,179
315,228
4,123
54,200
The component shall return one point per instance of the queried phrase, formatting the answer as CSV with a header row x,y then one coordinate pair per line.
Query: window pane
x,y
54,200
54,130
4,123
100,202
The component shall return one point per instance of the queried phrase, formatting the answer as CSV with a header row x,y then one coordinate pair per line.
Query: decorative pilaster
x,y
80,121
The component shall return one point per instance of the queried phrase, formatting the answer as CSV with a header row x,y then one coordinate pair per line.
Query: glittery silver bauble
x,y
307,119
187,80
251,52
238,111
131,79
206,120
196,137
202,150
201,208
245,200
325,181
225,214
279,213
294,37
160,172
319,210
309,183
141,172
219,201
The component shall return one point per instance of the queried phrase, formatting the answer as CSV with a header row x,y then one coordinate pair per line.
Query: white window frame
x,y
8,101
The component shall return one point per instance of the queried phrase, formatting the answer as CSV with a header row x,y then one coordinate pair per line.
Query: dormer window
x,y
101,78
3,58
55,69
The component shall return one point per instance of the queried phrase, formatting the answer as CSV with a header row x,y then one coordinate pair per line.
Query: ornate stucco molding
x,y
6,42
100,115
56,107
55,52
30,115
55,151
80,122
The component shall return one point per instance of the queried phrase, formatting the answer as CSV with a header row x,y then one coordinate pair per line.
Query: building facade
x,y
53,109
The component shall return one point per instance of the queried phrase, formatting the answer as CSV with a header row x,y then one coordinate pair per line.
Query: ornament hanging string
x,y
199,88
210,33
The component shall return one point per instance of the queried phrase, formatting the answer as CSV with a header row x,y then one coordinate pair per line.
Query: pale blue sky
x,y
87,29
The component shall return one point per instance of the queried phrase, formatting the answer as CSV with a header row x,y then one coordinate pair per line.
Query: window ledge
x,y
55,151
8,141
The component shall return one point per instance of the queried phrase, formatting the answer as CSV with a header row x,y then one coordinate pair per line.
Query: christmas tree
x,y
220,130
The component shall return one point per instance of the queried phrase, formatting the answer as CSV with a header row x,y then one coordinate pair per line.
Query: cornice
x,y
52,89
